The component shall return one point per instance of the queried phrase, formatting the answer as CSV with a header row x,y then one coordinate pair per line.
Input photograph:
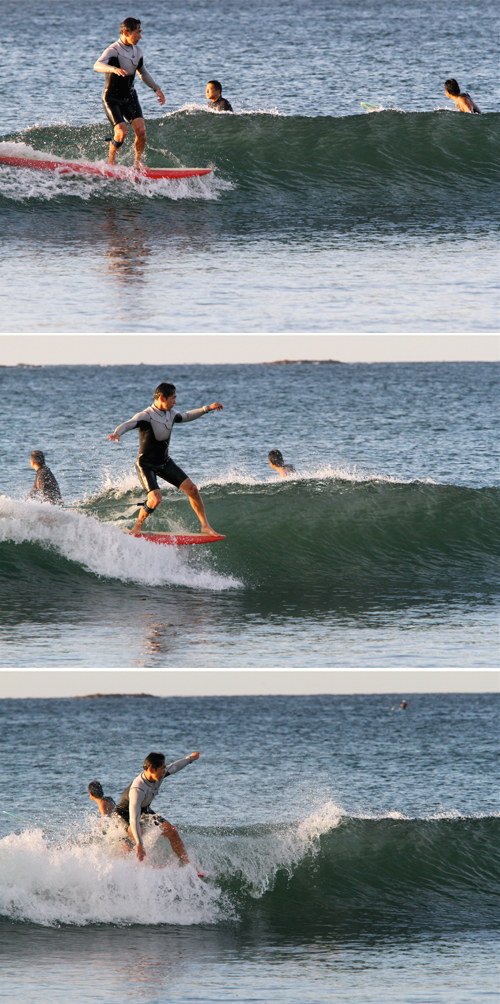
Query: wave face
x,y
323,537
327,874
320,540
388,160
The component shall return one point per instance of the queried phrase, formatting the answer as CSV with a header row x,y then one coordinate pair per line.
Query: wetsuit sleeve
x,y
189,416
178,765
142,416
135,802
107,55
146,77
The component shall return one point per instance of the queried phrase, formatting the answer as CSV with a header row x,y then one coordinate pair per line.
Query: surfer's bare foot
x,y
208,529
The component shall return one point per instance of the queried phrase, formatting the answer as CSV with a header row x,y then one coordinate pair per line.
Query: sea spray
x,y
328,870
100,548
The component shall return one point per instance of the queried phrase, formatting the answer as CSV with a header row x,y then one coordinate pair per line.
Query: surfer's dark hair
x,y
276,457
452,87
154,760
38,457
130,24
217,84
164,390
95,789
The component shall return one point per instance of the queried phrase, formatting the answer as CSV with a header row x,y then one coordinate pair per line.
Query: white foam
x,y
19,183
327,472
51,883
85,878
102,549
257,857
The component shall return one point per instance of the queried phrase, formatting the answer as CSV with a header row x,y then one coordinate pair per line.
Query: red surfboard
x,y
179,538
104,170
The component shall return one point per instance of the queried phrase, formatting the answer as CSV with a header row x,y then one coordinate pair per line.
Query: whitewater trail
x,y
83,877
103,549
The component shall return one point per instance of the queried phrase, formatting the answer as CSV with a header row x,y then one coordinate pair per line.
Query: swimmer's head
x,y
164,390
214,90
153,761
451,87
276,458
95,789
38,458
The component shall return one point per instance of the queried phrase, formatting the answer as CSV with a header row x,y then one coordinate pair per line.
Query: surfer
x,y
214,94
155,426
105,803
278,464
463,101
133,808
45,487
120,62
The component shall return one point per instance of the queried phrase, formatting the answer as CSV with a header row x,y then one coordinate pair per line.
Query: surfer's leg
x,y
172,834
115,115
139,127
148,479
153,500
120,133
190,489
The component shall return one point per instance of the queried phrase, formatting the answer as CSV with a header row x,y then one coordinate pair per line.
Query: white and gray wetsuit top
x,y
141,792
130,59
155,428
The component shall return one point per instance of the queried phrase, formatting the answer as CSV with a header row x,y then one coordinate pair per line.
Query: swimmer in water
x,y
120,62
278,464
214,96
104,803
45,488
155,426
463,102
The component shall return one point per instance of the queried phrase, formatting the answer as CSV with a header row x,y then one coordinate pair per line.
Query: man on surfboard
x,y
134,810
120,62
155,426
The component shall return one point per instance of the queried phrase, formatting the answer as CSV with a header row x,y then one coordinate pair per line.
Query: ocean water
x,y
380,551
352,849
317,216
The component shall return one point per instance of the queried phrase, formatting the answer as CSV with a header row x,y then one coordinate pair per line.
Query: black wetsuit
x,y
221,105
120,97
46,487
